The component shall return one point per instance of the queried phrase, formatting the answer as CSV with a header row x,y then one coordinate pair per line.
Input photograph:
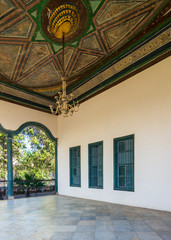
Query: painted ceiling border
x,y
23,102
125,74
121,55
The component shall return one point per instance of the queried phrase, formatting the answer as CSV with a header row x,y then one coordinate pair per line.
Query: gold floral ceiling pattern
x,y
109,41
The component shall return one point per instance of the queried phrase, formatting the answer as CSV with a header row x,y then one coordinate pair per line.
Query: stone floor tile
x,y
6,235
74,214
65,228
86,228
140,226
89,213
86,222
126,236
87,218
83,236
134,218
158,225
43,234
105,236
104,227
167,221
102,214
122,226
148,236
62,236
103,218
69,222
118,217
165,235
90,208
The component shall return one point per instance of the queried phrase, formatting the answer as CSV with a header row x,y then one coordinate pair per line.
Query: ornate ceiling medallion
x,y
64,19
60,17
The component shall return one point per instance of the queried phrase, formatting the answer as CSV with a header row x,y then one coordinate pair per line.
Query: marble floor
x,y
66,218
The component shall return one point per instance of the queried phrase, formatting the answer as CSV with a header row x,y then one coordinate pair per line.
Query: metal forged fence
x,y
27,187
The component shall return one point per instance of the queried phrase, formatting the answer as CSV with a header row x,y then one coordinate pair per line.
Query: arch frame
x,y
27,124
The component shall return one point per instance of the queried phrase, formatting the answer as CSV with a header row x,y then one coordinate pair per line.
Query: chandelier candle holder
x,y
63,107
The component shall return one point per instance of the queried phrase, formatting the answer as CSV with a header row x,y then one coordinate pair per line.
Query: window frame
x,y
70,150
89,146
115,163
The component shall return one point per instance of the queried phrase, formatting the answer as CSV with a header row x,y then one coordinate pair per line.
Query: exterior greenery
x,y
3,157
33,157
34,154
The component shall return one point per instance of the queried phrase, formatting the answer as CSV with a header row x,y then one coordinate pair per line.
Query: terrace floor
x,y
66,218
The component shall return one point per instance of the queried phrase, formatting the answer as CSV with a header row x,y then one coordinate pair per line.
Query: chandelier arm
x,y
57,110
70,106
71,113
76,106
53,113
51,109
69,97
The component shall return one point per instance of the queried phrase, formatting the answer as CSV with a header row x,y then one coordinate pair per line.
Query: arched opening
x,y
31,159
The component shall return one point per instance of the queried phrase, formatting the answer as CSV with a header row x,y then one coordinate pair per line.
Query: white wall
x,y
141,106
12,116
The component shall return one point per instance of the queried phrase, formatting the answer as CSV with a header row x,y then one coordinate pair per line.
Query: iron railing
x,y
3,189
27,187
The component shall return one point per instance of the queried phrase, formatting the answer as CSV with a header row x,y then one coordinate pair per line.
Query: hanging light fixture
x,y
64,106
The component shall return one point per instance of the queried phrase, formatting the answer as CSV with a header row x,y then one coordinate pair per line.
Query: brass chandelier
x,y
64,107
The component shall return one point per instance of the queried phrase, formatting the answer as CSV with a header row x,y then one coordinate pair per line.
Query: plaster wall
x,y
141,106
12,116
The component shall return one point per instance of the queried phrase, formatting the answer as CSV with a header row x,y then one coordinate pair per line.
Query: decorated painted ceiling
x,y
106,42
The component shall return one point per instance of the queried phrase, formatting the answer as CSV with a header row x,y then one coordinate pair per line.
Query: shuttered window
x,y
96,165
75,172
124,163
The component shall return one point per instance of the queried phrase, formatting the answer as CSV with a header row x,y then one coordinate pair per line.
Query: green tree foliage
x,y
3,157
33,154
29,182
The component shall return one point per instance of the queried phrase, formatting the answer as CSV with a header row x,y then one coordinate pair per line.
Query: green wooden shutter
x,y
75,171
96,165
124,163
